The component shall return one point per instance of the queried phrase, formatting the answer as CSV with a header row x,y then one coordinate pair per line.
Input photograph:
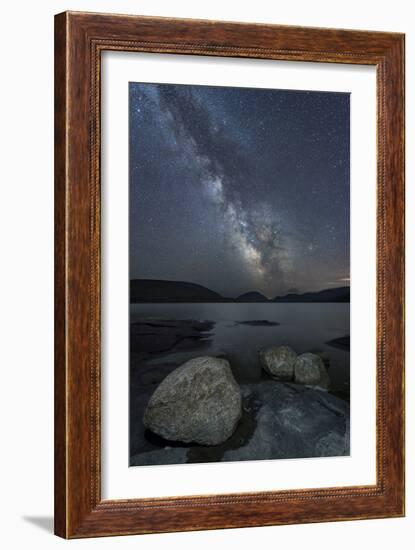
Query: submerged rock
x,y
278,362
198,402
341,343
309,369
258,323
152,336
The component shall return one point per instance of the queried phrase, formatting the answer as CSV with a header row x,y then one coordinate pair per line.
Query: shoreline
x,y
156,348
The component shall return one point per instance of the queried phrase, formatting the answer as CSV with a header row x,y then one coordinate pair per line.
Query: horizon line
x,y
286,293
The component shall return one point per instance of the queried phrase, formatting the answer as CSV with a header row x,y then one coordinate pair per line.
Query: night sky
x,y
239,189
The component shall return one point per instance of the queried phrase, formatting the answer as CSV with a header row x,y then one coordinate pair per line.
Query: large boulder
x,y
309,369
198,402
278,362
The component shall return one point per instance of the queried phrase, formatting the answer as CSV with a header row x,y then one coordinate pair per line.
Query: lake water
x,y
304,327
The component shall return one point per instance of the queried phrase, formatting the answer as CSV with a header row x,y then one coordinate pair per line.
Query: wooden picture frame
x,y
79,40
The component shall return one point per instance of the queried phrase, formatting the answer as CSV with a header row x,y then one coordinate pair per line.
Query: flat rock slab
x,y
169,455
294,421
156,336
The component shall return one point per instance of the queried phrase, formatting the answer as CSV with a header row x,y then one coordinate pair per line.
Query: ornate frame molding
x,y
79,40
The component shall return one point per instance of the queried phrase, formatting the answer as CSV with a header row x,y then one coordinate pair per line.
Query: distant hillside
x,y
252,297
153,290
160,291
340,294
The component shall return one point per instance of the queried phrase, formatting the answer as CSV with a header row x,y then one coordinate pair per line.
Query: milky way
x,y
239,189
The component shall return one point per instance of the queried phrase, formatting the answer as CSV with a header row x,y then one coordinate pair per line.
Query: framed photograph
x,y
229,275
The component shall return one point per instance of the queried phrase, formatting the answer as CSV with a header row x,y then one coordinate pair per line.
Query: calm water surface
x,y
304,327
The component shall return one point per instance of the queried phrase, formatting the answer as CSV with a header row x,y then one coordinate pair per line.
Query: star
x,y
239,188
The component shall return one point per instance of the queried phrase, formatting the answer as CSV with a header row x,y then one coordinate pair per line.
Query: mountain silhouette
x,y
154,290
252,297
339,294
162,291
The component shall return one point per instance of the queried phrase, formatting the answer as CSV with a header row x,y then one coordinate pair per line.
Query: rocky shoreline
x,y
288,416
150,336
280,420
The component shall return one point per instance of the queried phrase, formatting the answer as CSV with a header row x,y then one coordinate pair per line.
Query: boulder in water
x,y
198,402
309,369
278,362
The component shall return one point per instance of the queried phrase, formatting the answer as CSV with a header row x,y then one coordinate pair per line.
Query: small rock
x,y
199,402
309,369
278,362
